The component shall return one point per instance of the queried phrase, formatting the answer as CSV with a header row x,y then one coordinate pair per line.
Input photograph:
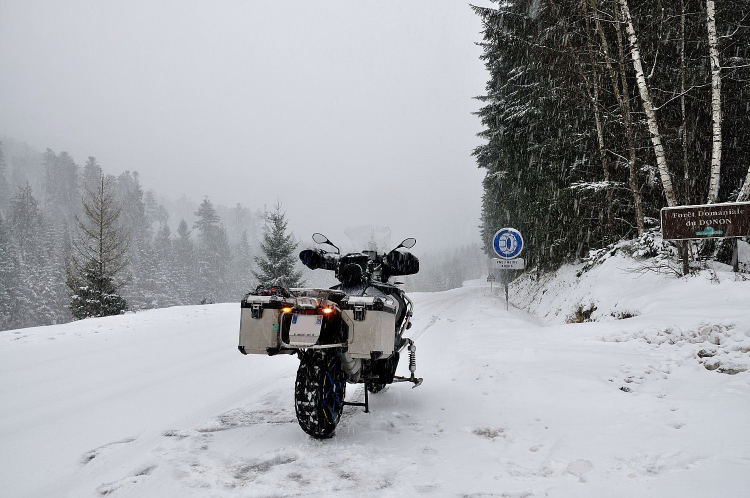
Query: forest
x,y
173,252
598,113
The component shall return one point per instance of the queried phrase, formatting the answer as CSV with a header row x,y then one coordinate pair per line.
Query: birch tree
x,y
713,50
744,194
648,105
623,102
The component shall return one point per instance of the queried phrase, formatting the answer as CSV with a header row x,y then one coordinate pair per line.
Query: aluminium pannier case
x,y
372,325
259,323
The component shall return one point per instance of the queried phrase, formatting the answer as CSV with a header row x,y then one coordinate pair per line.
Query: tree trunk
x,y
713,49
683,71
624,98
599,126
683,245
745,190
648,107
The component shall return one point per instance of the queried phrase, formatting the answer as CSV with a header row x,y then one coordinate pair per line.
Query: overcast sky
x,y
349,112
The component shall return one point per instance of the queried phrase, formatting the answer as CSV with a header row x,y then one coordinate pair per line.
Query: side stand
x,y
366,404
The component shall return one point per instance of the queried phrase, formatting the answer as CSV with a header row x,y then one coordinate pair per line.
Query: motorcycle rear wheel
x,y
319,393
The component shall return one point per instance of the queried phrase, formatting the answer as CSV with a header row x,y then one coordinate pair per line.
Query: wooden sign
x,y
708,221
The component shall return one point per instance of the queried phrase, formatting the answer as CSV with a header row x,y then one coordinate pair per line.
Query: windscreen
x,y
370,238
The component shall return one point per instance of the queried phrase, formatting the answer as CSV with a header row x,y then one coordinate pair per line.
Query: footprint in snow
x,y
489,432
90,455
580,468
126,483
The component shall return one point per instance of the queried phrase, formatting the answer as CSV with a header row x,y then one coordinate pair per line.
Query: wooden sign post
x,y
707,221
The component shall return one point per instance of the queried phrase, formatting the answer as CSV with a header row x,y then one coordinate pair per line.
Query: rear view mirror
x,y
319,238
409,243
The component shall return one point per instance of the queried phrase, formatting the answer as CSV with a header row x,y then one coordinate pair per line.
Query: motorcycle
x,y
351,333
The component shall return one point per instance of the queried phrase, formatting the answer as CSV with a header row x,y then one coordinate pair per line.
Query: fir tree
x,y
61,185
277,266
92,174
9,277
100,256
165,271
213,255
25,221
129,197
184,253
242,266
4,185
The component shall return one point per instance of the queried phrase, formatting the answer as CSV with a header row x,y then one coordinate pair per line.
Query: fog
x,y
346,112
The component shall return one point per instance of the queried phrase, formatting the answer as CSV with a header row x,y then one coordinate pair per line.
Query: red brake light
x,y
327,311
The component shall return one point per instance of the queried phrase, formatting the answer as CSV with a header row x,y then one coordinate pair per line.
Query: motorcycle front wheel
x,y
319,392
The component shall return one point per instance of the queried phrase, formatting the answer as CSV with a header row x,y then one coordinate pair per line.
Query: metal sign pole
x,y
508,244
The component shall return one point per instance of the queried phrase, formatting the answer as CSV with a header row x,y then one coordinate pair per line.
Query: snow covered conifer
x,y
185,261
60,185
242,259
278,264
4,185
213,255
99,257
8,276
91,175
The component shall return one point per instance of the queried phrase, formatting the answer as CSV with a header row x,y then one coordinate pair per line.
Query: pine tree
x,y
100,256
25,221
9,273
185,266
4,185
165,273
242,266
35,301
213,255
129,197
61,185
599,113
277,266
91,175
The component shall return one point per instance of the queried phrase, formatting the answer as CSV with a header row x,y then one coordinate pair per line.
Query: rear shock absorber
x,y
412,358
412,366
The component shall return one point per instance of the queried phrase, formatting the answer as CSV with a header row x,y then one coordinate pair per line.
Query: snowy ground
x,y
161,404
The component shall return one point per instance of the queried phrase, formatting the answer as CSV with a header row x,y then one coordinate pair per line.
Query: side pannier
x,y
372,325
259,323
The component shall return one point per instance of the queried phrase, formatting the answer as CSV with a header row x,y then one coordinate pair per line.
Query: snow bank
x,y
707,314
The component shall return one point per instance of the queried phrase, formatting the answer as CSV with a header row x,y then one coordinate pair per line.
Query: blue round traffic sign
x,y
507,243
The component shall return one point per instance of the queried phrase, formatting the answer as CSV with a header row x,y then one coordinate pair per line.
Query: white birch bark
x,y
745,190
648,106
683,109
713,52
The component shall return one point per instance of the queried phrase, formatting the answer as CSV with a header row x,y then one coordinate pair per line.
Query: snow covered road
x,y
161,404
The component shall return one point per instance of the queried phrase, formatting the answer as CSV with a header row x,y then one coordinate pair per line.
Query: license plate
x,y
305,329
